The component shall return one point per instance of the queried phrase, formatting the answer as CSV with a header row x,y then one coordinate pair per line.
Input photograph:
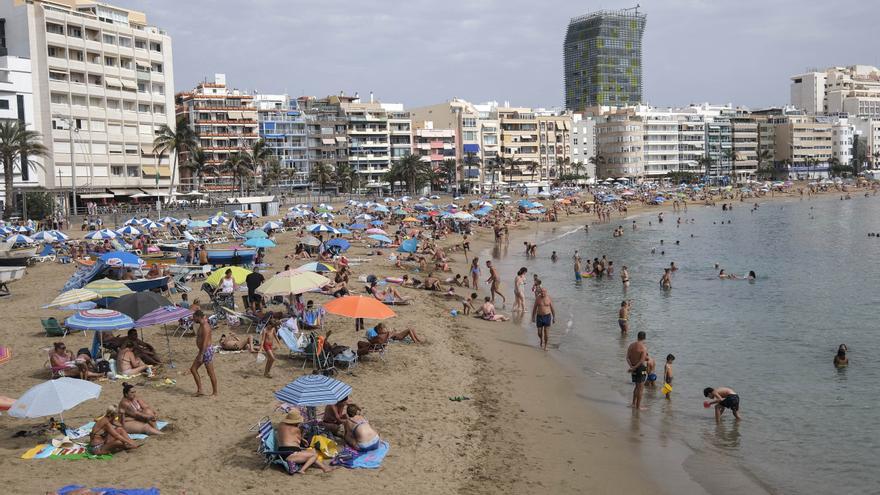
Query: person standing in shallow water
x,y
543,315
840,359
666,280
623,317
637,359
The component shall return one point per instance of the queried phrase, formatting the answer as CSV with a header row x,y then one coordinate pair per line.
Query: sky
x,y
420,52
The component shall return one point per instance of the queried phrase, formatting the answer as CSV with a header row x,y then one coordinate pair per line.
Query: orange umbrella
x,y
359,307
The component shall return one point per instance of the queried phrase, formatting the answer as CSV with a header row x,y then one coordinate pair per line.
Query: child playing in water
x,y
667,371
468,304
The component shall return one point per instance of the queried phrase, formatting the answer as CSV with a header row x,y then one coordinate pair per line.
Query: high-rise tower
x,y
603,59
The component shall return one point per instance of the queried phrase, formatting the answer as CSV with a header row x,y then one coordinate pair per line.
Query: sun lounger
x,y
244,319
289,338
47,254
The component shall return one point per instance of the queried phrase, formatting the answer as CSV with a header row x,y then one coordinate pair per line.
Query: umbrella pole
x,y
168,341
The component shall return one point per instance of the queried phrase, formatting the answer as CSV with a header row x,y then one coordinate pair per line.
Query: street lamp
x,y
72,130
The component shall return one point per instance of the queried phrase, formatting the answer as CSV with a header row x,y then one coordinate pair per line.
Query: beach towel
x,y
110,491
85,429
49,451
372,459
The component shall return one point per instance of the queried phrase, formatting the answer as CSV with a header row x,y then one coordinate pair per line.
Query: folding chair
x,y
243,318
266,434
288,336
53,328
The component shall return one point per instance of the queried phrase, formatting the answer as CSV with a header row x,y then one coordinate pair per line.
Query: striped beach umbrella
x,y
315,266
100,235
60,235
19,239
73,296
99,320
129,230
167,220
22,229
162,315
46,236
5,354
320,227
4,230
215,221
272,225
151,225
313,391
108,288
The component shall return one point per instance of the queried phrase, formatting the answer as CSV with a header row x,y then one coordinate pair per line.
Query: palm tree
x,y
343,177
322,173
730,156
257,156
449,167
175,141
198,166
17,144
492,167
563,168
237,165
470,161
706,162
533,168
273,172
597,161
577,166
763,157
411,170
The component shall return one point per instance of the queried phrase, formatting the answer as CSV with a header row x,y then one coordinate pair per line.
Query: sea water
x,y
807,427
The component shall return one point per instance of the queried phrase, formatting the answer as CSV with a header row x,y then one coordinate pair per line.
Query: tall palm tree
x,y
239,167
343,177
17,145
175,141
533,168
258,156
706,162
492,167
598,161
412,171
272,171
763,157
730,156
563,167
449,168
470,161
198,166
322,173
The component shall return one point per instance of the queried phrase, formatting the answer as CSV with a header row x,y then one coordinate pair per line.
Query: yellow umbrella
x,y
109,288
296,283
238,274
73,296
410,219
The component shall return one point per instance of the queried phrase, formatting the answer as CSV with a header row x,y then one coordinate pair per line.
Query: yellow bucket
x,y
667,388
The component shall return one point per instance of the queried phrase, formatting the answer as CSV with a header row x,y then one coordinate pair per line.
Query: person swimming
x,y
840,359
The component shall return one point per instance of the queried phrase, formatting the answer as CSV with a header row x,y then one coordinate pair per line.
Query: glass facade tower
x,y
603,59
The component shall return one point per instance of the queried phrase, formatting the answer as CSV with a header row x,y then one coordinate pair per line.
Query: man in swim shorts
x,y
205,354
637,359
623,317
543,315
723,398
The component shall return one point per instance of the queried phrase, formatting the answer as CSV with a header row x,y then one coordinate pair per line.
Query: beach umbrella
x,y
132,221
295,283
108,288
80,306
255,233
122,258
73,296
162,315
410,220
342,244
535,211
320,227
166,220
313,391
215,221
197,224
310,241
380,238
259,242
381,209
99,320
359,307
5,354
129,230
238,274
272,225
54,397
464,216
101,235
357,226
46,236
19,239
376,231
377,223
343,231
6,230
138,304
364,216
409,246
326,216
315,266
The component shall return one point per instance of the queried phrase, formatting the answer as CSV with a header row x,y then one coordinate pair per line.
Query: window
x,y
95,79
57,76
159,88
110,61
98,126
109,39
77,77
74,31
54,28
142,87
126,63
143,108
79,123
469,122
78,100
99,148
126,42
158,108
76,55
56,51
469,135
115,149
145,129
156,67
131,130
112,104
155,46
132,171
132,149
139,43
128,105
59,98
116,170
4,104
114,128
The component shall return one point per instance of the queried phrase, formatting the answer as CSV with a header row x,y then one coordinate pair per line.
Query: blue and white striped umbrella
x,y
101,235
46,236
251,215
326,216
167,220
132,221
320,227
144,221
60,235
150,225
22,229
313,391
215,221
129,230
6,230
19,239
272,225
99,320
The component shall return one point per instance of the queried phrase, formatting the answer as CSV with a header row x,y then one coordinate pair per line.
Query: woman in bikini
x,y
269,339
138,417
129,364
108,435
519,288
475,272
359,434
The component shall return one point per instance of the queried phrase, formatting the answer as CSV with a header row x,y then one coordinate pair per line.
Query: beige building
x,y
554,150
369,145
744,140
854,90
803,140
102,86
519,144
620,143
225,122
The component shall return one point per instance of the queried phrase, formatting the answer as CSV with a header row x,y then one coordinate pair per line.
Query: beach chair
x,y
290,340
243,318
47,254
271,457
53,328
184,327
312,319
317,355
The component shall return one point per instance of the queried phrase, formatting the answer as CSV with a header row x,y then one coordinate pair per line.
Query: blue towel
x,y
365,460
111,491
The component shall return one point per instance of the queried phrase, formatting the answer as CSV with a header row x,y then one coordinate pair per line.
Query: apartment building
x,y
519,143
326,130
868,131
804,142
225,123
17,103
852,90
583,146
808,92
102,75
620,142
661,142
554,145
744,143
400,130
434,146
842,141
369,145
282,127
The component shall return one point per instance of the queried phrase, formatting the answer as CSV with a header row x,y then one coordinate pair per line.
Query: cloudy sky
x,y
426,51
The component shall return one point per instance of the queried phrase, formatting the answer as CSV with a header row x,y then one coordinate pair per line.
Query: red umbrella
x,y
5,354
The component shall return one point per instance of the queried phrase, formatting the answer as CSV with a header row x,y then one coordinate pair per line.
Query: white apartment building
x,y
17,103
369,145
661,143
400,132
103,75
842,135
583,145
808,92
852,90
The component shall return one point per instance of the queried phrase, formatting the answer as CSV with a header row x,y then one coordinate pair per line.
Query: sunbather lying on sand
x,y
233,342
389,296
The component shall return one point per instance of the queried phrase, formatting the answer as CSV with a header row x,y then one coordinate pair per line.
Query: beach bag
x,y
326,448
103,366
232,320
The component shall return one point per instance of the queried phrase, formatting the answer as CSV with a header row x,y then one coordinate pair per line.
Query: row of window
x,y
106,60
106,103
111,127
106,38
99,80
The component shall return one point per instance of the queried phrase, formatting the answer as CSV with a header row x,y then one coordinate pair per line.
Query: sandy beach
x,y
525,427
